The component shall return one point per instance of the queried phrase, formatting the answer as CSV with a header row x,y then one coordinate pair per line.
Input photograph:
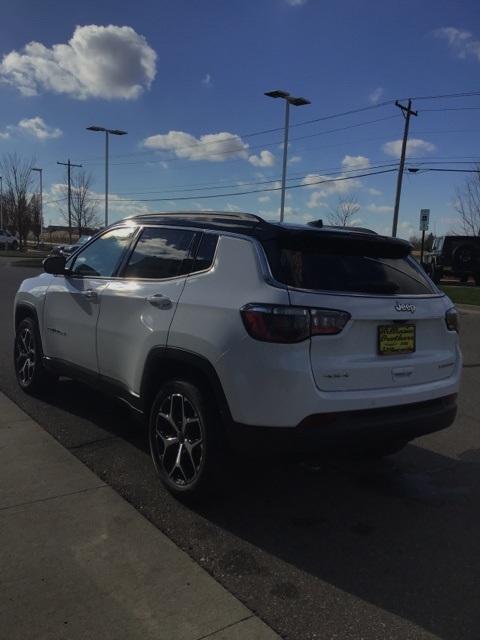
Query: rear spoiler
x,y
344,243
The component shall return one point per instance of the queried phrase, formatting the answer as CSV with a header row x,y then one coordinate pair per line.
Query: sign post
x,y
424,220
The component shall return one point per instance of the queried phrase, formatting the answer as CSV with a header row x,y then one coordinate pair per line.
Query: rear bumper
x,y
349,428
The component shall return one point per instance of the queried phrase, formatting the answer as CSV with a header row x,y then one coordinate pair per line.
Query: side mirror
x,y
54,265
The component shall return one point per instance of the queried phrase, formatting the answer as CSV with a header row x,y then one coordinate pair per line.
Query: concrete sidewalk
x,y
78,562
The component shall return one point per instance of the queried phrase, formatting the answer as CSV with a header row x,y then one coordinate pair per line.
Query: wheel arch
x,y
168,363
25,310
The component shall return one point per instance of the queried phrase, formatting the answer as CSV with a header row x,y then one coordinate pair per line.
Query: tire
x,y
31,374
185,440
384,449
436,275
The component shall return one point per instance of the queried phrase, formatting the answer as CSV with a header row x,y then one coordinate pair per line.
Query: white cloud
x,y
375,208
264,198
4,135
207,80
316,200
294,159
356,222
374,192
329,185
97,62
232,207
414,145
352,163
406,229
265,159
376,94
38,128
296,3
215,147
461,42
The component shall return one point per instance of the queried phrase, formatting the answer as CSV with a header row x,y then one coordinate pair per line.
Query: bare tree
x,y
83,205
468,204
17,174
341,215
36,217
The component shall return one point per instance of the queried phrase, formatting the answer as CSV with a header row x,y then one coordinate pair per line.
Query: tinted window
x,y
160,253
102,257
206,251
311,269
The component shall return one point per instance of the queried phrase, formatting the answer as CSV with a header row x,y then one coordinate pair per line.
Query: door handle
x,y
160,301
91,294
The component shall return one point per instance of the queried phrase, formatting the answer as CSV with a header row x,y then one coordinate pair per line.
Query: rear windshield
x,y
319,271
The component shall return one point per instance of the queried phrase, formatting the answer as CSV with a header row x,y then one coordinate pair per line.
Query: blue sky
x,y
170,72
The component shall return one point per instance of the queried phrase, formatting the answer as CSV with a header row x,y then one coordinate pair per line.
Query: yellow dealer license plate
x,y
394,340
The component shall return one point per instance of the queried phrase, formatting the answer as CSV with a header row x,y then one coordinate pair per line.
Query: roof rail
x,y
234,215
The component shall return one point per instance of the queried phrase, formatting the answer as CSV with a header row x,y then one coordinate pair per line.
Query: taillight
x,y
327,321
271,323
453,320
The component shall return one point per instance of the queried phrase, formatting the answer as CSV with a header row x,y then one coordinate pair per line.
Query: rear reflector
x,y
271,323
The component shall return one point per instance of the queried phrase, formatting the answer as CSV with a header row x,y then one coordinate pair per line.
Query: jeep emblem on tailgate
x,y
405,307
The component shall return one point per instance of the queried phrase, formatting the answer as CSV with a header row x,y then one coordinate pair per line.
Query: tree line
x,y
21,206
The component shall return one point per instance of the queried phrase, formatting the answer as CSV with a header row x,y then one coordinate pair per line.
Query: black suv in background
x,y
457,256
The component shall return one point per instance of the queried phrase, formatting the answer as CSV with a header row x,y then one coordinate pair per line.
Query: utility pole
x,y
406,112
68,164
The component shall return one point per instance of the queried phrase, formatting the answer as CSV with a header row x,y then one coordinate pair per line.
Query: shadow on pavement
x,y
401,534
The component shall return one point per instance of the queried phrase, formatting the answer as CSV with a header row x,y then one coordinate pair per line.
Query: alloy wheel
x,y
26,356
180,439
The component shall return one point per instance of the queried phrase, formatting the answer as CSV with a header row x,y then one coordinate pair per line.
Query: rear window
x,y
320,271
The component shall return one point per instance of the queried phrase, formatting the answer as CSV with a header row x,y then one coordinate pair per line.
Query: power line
x,y
303,123
451,109
242,193
244,149
323,172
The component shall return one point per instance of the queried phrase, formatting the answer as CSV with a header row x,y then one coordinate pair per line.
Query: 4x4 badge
x,y
405,307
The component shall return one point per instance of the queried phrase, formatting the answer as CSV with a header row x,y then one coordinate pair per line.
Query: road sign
x,y
424,219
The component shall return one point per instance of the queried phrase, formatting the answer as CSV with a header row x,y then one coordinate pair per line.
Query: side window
x,y
206,252
160,253
102,256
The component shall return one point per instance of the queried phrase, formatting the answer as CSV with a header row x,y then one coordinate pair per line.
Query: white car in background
x,y
227,331
7,240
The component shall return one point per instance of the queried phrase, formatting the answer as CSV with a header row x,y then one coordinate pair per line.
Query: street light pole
x,y
285,155
297,102
115,132
40,171
106,178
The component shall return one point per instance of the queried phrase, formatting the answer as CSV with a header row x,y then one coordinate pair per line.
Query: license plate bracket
x,y
396,339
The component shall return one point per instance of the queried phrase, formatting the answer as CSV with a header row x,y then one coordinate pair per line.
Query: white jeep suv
x,y
229,331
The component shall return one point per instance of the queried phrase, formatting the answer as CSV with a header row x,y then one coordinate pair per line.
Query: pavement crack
x,y
471,366
60,495
228,626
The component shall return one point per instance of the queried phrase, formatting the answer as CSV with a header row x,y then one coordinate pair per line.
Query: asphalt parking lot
x,y
335,549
